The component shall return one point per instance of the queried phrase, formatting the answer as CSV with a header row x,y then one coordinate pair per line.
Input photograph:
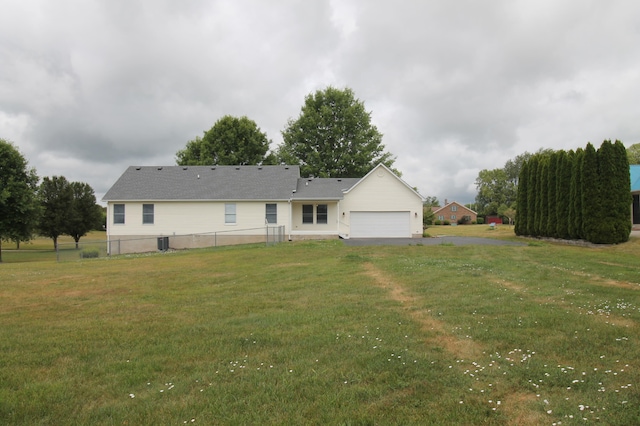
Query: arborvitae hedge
x,y
521,201
552,218
532,195
592,203
575,215
581,195
563,193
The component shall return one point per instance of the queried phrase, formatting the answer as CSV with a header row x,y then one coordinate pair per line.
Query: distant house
x,y
195,205
454,212
634,170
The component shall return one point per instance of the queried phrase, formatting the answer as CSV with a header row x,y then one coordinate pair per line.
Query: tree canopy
x,y
83,214
230,141
333,137
498,187
56,196
633,154
68,208
18,205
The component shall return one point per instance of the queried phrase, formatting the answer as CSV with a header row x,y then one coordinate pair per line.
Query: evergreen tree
x,y
552,214
591,195
563,193
613,218
575,202
541,201
532,195
521,200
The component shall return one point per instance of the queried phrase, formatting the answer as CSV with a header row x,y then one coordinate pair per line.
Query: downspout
x,y
290,218
338,220
108,228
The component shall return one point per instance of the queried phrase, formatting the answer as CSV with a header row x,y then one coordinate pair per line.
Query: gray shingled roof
x,y
323,188
205,183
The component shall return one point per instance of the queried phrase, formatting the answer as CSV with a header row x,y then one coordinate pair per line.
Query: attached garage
x,y
380,225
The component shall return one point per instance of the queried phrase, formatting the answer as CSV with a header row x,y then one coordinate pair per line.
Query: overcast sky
x,y
89,87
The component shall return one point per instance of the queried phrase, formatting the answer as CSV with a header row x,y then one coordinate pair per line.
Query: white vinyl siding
x,y
380,225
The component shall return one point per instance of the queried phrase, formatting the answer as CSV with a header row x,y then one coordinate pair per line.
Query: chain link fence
x,y
268,235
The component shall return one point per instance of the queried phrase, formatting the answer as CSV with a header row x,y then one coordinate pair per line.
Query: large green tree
x,y
633,154
230,141
18,204
494,189
333,137
56,198
83,215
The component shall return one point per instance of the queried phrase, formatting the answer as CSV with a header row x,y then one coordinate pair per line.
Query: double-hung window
x,y
271,212
118,214
147,214
230,214
321,214
307,213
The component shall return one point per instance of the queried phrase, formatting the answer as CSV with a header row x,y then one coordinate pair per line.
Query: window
x,y
272,213
230,213
440,217
453,217
454,208
321,213
307,213
118,214
147,214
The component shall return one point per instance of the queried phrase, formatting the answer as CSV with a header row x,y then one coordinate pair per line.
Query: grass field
x,y
321,333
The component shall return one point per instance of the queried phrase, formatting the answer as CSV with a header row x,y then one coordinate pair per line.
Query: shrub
x,y
446,222
437,222
464,220
90,254
480,221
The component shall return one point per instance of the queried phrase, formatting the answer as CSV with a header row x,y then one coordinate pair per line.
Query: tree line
x,y
332,137
51,208
582,194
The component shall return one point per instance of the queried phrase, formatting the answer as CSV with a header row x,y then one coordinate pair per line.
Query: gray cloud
x,y
88,88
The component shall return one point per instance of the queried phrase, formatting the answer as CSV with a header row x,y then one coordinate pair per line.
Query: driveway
x,y
456,241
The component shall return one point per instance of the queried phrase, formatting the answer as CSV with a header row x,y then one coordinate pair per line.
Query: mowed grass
x,y
321,333
41,249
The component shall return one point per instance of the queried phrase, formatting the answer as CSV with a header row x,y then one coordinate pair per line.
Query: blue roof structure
x,y
634,170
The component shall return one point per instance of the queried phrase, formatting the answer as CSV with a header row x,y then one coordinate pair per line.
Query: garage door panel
x,y
380,224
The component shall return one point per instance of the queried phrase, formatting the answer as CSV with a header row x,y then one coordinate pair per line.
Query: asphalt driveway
x,y
456,241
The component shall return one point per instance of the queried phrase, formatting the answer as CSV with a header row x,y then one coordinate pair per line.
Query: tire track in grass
x,y
461,348
516,404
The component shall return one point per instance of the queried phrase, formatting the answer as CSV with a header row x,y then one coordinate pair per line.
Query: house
x,y
455,212
634,170
198,206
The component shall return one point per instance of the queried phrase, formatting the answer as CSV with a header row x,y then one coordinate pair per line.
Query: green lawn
x,y
320,333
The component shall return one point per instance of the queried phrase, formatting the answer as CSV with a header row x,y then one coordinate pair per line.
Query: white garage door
x,y
380,224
